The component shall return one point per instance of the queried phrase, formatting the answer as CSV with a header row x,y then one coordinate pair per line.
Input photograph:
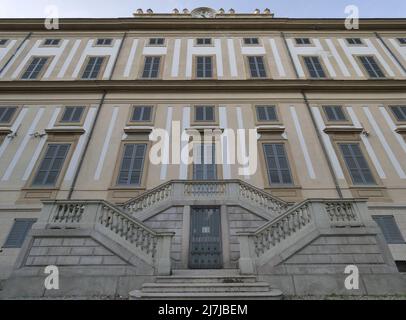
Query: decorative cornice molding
x,y
179,22
203,85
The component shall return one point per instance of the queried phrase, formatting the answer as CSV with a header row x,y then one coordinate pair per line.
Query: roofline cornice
x,y
186,23
188,86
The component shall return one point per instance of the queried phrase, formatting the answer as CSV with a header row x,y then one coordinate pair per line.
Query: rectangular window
x,y
52,42
277,164
204,113
257,67
204,67
72,114
302,41
314,67
334,113
389,229
251,41
266,113
203,41
156,41
402,40
18,233
132,165
399,112
354,41
104,42
35,67
51,165
151,67
141,113
93,68
6,114
372,67
356,164
3,42
204,164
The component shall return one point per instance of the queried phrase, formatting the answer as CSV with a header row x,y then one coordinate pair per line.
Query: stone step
x,y
204,287
206,272
273,294
206,279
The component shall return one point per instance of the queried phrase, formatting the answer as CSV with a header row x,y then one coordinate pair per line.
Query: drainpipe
x,y
82,157
15,52
323,146
390,51
290,54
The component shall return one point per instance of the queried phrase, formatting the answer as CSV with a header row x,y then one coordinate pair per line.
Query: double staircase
x,y
206,285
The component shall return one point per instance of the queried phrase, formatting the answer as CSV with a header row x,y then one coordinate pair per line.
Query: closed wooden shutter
x,y
389,229
18,233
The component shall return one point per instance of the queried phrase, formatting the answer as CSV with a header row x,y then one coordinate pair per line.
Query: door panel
x,y
205,239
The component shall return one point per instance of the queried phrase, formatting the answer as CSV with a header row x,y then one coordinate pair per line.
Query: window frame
x,y
265,63
215,146
6,41
131,122
96,44
205,122
269,184
60,121
101,70
307,71
361,44
394,116
211,44
367,74
41,72
277,121
13,117
213,67
303,44
251,44
400,41
58,44
149,44
160,70
328,121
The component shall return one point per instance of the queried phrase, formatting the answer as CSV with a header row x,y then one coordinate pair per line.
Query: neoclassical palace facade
x,y
301,173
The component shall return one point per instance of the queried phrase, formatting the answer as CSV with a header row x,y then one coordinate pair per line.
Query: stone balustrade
x,y
153,247
259,246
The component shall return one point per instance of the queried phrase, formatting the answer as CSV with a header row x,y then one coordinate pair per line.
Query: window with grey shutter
x,y
104,42
314,67
389,229
34,68
257,67
151,67
371,66
51,165
356,164
93,68
399,112
72,114
277,164
132,165
353,41
6,114
204,67
52,42
18,233
203,41
204,163
251,41
141,113
334,113
302,41
204,113
156,41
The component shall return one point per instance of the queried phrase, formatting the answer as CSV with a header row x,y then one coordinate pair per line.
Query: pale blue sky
x,y
125,8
